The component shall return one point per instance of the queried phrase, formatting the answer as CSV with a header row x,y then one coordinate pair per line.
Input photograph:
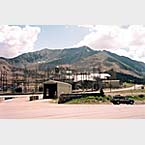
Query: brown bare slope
x,y
106,61
81,58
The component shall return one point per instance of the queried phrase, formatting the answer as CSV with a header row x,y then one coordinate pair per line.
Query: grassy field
x,y
132,91
102,100
90,100
128,84
137,98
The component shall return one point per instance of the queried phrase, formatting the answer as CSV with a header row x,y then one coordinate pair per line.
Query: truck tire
x,y
131,102
118,103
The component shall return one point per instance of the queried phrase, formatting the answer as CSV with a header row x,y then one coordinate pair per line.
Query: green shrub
x,y
100,99
90,100
141,96
107,98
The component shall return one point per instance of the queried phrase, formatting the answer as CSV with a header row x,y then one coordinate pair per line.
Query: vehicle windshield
x,y
118,97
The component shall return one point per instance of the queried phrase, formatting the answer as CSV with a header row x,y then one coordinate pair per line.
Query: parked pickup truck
x,y
121,100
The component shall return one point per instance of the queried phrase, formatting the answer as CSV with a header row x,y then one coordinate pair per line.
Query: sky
x,y
125,40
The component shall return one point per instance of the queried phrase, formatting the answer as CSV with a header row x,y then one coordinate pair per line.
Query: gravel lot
x,y
21,108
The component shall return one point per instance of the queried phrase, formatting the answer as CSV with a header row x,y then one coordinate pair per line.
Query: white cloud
x,y
128,41
15,40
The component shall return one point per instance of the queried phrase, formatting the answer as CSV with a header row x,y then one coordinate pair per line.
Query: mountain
x,y
52,57
106,61
4,65
5,69
81,58
44,55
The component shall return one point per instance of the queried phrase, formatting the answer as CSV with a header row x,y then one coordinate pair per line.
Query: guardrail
x,y
30,96
5,94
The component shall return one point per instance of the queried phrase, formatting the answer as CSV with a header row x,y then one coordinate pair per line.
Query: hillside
x,y
106,60
5,68
4,65
41,56
81,58
52,57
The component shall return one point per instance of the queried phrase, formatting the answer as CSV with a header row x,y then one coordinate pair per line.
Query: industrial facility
x,y
53,89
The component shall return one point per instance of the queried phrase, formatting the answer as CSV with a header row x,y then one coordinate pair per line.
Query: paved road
x,y
124,89
118,89
21,108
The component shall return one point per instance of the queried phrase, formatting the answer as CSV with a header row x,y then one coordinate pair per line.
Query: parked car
x,y
121,100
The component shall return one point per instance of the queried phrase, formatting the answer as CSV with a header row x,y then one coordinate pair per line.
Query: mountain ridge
x,y
80,58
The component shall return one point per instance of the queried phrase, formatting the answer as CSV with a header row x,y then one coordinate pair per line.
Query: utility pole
x,y
113,74
110,86
13,80
36,79
0,82
4,79
25,79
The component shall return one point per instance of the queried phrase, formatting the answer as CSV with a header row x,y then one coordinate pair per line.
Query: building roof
x,y
56,82
91,76
111,80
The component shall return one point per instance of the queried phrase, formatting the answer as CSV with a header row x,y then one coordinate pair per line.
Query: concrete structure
x,y
111,83
53,89
2,99
90,76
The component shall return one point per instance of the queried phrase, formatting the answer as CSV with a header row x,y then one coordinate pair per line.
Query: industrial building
x,y
53,89
111,83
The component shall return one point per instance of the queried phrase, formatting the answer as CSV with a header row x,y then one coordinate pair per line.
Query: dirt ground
x,y
22,108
